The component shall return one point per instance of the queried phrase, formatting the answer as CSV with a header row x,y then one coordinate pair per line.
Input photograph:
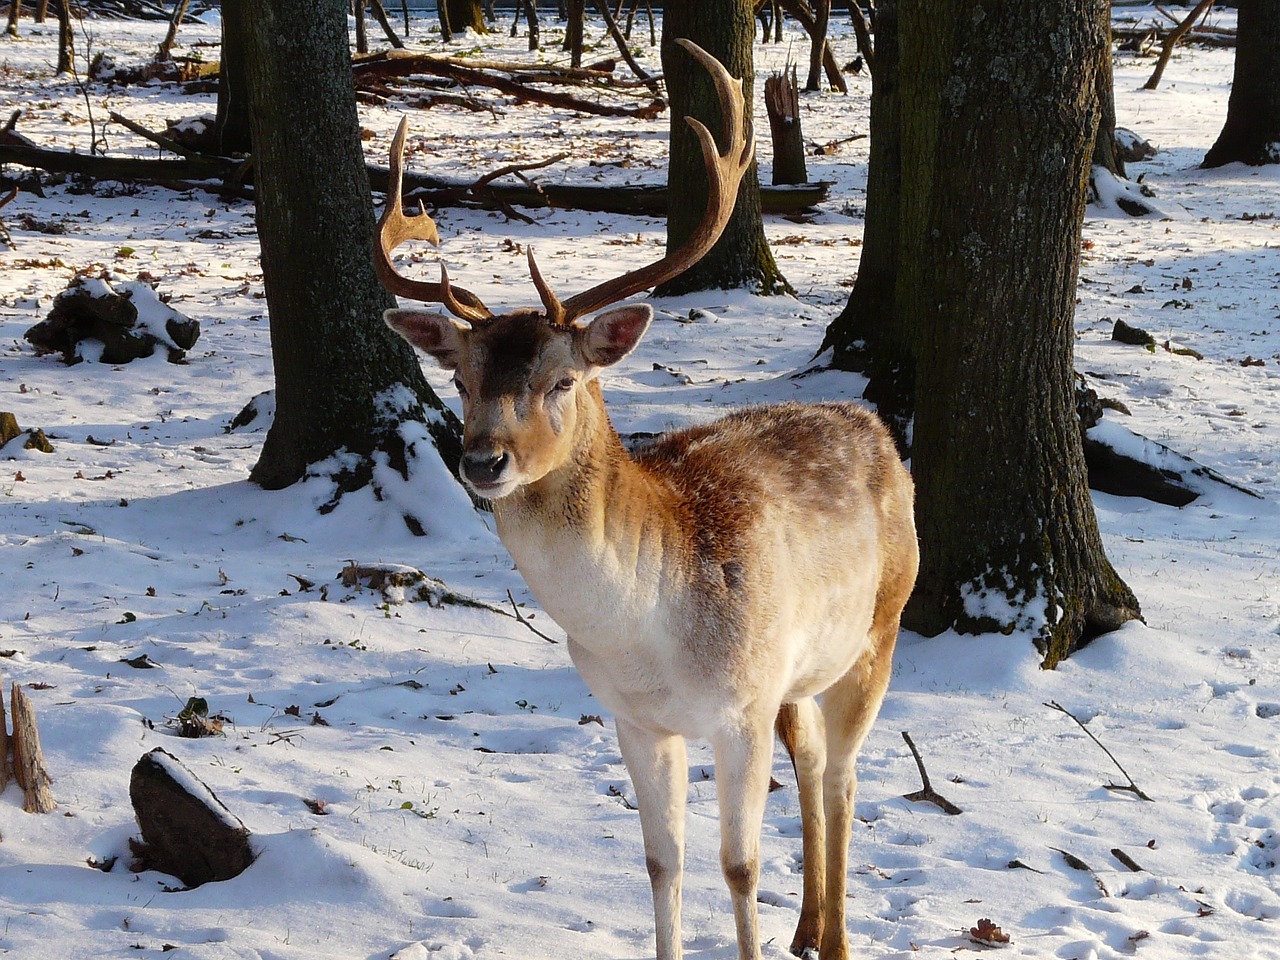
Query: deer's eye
x,y
563,385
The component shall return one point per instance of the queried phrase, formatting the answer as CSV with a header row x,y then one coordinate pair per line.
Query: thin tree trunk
x,y
232,135
66,38
1251,133
818,43
42,11
15,11
362,32
171,36
741,258
380,14
574,30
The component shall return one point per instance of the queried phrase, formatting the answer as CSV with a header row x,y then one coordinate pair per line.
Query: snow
x,y
472,805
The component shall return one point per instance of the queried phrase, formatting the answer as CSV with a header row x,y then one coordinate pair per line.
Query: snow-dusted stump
x,y
90,320
22,439
186,830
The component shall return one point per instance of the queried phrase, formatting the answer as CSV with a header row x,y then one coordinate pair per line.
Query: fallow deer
x,y
713,584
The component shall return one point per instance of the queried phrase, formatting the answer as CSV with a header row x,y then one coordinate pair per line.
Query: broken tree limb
x,y
782,104
653,83
1171,40
28,757
927,793
1119,788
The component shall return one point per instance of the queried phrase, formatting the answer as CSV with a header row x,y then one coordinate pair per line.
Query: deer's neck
x,y
597,534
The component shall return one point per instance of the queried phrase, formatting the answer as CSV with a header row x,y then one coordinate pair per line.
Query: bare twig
x,y
519,616
927,793
1119,788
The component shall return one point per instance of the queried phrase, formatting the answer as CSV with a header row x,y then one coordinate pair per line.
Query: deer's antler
x,y
724,173
725,170
394,228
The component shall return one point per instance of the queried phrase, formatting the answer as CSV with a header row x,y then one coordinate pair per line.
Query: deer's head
x,y
526,378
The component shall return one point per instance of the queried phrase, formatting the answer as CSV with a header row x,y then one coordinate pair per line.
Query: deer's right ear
x,y
432,333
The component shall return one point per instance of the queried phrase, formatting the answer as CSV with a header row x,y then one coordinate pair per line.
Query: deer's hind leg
x,y
849,707
800,728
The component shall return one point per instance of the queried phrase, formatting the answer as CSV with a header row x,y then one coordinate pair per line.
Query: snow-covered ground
x,y
472,804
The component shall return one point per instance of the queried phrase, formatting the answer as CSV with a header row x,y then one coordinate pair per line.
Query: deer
x,y
727,582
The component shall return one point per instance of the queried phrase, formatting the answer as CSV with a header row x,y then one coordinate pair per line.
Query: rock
x,y
1131,148
186,830
1125,333
93,320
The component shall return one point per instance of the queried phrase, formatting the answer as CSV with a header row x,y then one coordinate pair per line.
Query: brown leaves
x,y
988,934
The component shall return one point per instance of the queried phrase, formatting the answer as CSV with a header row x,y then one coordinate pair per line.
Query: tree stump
x,y
35,439
782,103
186,830
28,757
128,323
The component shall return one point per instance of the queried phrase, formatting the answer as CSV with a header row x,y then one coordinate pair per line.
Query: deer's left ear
x,y
613,334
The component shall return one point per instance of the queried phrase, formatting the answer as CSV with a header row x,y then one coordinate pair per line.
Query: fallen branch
x,y
1075,863
391,64
196,172
927,793
1119,788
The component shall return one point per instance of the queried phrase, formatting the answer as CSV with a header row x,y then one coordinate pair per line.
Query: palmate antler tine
x,y
394,228
724,173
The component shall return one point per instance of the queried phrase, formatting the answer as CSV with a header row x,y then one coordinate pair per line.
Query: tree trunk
x,y
574,30
171,35
818,43
1104,145
231,129
995,400
15,10
466,15
344,382
362,28
1251,133
741,258
66,38
871,335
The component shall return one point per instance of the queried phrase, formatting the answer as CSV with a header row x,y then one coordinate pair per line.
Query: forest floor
x,y
438,782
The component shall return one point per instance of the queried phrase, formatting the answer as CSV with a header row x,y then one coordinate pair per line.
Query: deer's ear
x,y
613,334
434,334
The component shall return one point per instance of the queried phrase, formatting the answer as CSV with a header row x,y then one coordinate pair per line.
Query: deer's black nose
x,y
485,468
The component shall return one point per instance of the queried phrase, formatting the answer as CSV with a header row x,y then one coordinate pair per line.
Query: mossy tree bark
x,y
968,312
344,382
231,128
741,258
1251,133
870,335
466,14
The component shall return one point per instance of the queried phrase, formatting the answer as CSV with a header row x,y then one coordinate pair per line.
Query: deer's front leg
x,y
743,758
660,774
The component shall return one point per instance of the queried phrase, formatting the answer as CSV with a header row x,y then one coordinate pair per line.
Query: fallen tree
x,y
224,175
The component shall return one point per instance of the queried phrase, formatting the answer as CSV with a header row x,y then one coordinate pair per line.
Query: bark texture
x,y
741,258
231,129
466,15
1251,133
964,305
344,382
